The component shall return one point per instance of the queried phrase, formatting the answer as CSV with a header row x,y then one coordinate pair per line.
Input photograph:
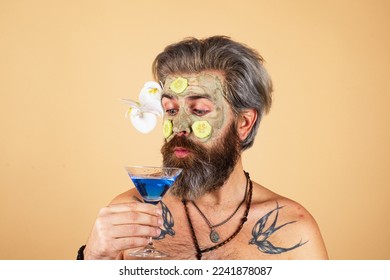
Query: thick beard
x,y
204,169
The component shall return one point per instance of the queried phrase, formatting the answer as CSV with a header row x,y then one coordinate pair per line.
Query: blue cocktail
x,y
152,189
152,184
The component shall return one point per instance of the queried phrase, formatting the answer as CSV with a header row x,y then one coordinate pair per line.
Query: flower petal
x,y
150,91
143,114
131,103
152,106
144,122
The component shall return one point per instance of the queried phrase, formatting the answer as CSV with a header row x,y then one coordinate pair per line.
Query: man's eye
x,y
171,112
199,112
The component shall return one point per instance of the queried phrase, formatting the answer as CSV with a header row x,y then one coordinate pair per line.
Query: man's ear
x,y
245,123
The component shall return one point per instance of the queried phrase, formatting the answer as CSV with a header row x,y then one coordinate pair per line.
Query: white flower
x,y
143,114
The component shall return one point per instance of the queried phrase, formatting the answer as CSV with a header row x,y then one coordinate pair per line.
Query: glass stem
x,y
150,243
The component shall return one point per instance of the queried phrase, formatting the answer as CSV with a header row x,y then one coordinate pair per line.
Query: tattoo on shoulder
x,y
168,222
260,234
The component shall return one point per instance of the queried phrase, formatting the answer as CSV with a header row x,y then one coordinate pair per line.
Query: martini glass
x,y
152,183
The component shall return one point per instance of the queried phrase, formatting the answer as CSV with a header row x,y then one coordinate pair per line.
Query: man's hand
x,y
120,227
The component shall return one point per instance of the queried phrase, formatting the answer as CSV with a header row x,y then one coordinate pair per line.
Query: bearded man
x,y
215,92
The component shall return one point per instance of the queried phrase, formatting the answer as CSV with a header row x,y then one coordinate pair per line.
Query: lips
x,y
181,152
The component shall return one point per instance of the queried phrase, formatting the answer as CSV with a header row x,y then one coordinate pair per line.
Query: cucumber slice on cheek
x,y
167,128
201,129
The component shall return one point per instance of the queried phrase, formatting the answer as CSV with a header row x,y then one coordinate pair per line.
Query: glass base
x,y
148,252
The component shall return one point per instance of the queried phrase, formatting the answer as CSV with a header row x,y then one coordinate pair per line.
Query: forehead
x,y
209,85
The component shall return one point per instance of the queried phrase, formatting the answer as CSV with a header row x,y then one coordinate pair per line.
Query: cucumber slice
x,y
201,129
167,128
179,85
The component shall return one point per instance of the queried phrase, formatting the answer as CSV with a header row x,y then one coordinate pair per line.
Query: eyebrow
x,y
166,95
190,97
199,96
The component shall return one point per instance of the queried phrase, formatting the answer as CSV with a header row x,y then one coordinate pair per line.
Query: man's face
x,y
197,98
204,141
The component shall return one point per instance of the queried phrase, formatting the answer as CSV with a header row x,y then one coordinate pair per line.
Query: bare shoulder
x,y
284,228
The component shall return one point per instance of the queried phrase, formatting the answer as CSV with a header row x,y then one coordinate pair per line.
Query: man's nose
x,y
182,125
183,129
183,133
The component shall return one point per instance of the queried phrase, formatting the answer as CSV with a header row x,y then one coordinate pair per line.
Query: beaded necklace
x,y
214,236
199,252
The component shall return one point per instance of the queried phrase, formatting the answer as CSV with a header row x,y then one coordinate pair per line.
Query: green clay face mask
x,y
195,104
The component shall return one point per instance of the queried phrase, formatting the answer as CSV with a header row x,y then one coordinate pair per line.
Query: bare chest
x,y
185,234
181,243
182,247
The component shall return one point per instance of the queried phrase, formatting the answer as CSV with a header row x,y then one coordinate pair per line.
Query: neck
x,y
230,194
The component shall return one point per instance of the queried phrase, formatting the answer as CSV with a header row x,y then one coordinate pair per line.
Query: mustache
x,y
183,142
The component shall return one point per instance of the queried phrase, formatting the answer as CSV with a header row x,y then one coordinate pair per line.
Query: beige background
x,y
64,65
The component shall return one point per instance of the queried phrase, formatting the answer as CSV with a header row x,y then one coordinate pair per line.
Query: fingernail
x,y
159,211
160,222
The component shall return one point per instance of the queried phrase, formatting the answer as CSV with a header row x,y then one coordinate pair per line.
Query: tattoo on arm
x,y
168,222
260,234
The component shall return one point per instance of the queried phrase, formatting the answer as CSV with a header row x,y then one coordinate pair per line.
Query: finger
x,y
124,231
133,206
135,218
121,244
